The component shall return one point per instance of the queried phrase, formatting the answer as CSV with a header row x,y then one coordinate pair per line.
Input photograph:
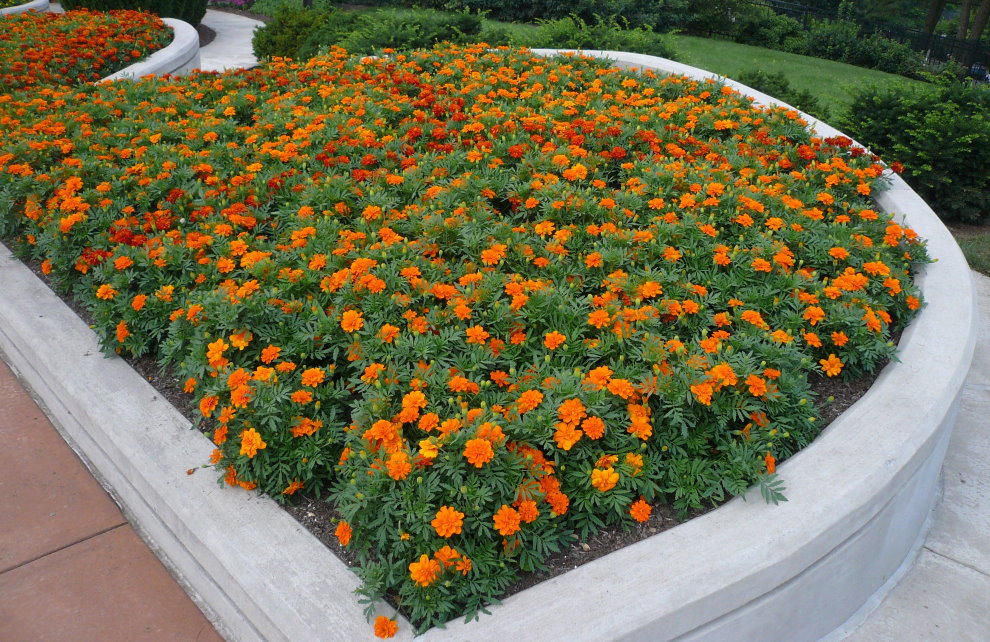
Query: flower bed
x,y
486,317
10,7
49,49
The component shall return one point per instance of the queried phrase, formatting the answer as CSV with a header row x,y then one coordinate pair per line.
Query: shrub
x,y
573,32
941,133
763,27
407,29
191,11
844,41
777,85
288,30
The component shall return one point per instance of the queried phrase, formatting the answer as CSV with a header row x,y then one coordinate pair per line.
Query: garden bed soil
x,y
319,517
206,35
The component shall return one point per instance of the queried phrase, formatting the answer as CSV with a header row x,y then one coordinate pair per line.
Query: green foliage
x,y
607,34
777,85
941,133
191,11
288,30
845,42
764,27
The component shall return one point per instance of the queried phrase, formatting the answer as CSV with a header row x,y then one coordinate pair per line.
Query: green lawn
x,y
829,81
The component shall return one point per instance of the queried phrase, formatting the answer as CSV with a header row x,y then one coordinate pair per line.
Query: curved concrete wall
x,y
180,57
858,496
32,5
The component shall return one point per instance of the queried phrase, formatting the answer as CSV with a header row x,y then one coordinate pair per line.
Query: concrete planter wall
x,y
180,57
32,5
858,496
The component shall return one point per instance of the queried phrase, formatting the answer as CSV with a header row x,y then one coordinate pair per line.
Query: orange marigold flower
x,y
528,512
425,571
703,393
352,321
599,377
831,366
621,388
122,332
554,339
385,627
138,302
270,353
478,452
398,465
507,521
771,463
106,292
207,405
293,486
640,510
306,427
571,411
566,435
814,314
388,333
343,533
594,427
599,318
313,377
251,442
301,396
448,521
839,338
529,400
476,334
757,386
604,480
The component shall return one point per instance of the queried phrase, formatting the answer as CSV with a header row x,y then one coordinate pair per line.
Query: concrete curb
x,y
178,58
33,5
858,496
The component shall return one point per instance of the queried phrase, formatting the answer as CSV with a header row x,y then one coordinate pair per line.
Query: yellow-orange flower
x,y
640,510
831,366
604,480
313,377
553,340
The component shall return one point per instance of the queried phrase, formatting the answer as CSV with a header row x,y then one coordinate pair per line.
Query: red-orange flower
x,y
478,452
640,510
343,533
385,627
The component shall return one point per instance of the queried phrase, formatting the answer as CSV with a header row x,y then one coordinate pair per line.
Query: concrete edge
x,y
33,5
220,539
180,57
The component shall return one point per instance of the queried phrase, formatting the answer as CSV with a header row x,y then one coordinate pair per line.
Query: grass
x,y
829,81
974,240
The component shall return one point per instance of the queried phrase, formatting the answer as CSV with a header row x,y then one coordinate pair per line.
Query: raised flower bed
x,y
10,7
782,557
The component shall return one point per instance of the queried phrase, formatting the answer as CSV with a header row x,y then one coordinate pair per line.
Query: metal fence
x,y
937,48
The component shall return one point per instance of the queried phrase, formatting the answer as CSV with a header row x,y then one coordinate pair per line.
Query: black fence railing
x,y
972,54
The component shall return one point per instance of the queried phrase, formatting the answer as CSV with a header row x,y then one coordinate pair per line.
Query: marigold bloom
x,y
640,510
507,521
385,627
301,396
529,400
352,321
388,333
599,318
553,340
137,303
425,571
528,511
270,353
703,393
478,452
604,480
476,334
831,366
757,386
313,377
122,332
771,463
251,442
566,436
594,427
207,405
448,521
398,465
105,292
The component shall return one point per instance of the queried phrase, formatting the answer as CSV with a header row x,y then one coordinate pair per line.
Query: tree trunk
x,y
964,20
935,8
980,22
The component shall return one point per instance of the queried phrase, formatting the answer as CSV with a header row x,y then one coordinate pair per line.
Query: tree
x,y
964,19
935,8
980,21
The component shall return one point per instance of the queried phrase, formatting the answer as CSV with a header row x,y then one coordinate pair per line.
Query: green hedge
x,y
191,11
941,133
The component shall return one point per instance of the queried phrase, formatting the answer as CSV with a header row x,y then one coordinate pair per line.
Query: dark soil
x,y
206,35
